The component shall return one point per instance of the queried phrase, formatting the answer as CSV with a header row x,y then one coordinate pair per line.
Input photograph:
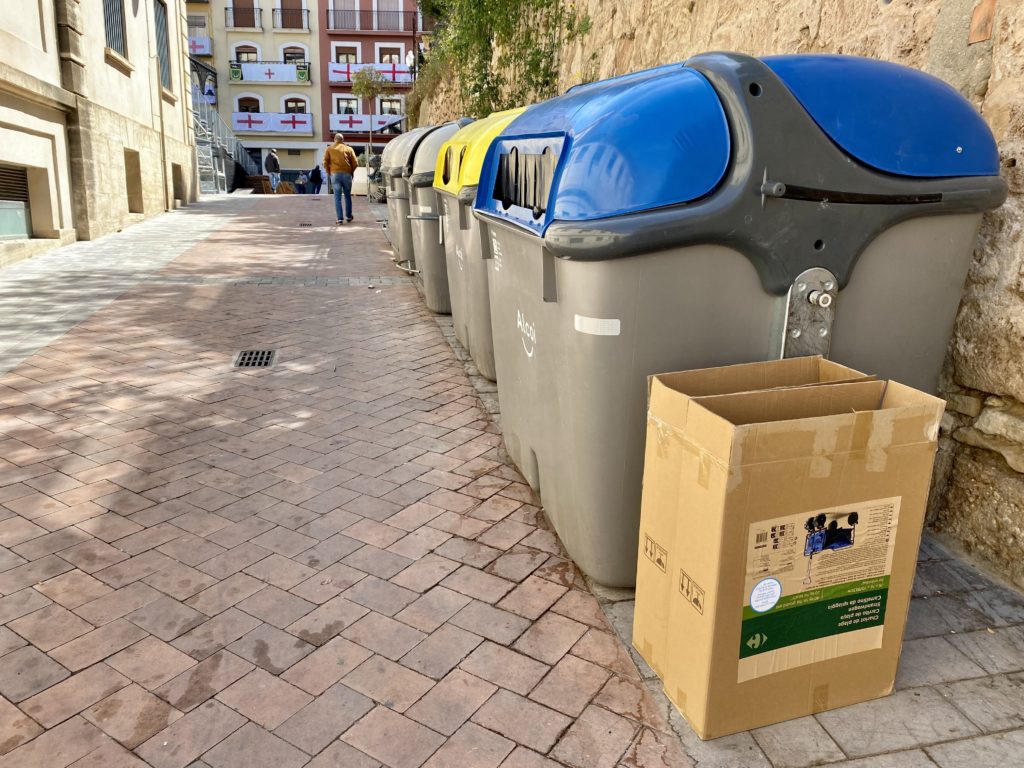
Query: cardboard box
x,y
798,520
655,562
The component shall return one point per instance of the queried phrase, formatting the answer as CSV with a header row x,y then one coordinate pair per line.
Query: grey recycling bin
x,y
455,180
727,210
399,226
424,215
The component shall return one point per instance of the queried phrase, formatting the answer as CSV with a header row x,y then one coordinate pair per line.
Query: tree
x,y
370,84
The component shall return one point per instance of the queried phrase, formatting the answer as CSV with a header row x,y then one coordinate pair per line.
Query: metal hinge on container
x,y
810,310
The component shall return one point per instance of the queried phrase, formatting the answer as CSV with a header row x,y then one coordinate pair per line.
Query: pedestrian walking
x,y
316,180
340,163
300,183
273,168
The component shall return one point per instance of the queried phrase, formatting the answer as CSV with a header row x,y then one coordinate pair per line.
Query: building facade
x,y
265,55
95,119
383,34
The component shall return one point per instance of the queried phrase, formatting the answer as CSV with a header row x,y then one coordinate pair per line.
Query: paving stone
x,y
441,652
179,581
20,603
197,684
549,638
118,603
275,606
327,621
134,568
995,751
191,549
797,743
225,594
109,527
264,698
94,555
166,618
912,718
9,641
433,609
999,605
941,615
426,572
533,597
327,552
912,759
16,530
628,697
999,650
280,571
490,622
58,747
71,696
97,644
148,538
570,685
328,583
73,588
326,665
473,747
477,584
30,574
16,728
151,662
597,739
321,721
380,634
251,746
27,671
379,562
50,626
271,648
522,757
523,721
451,702
381,596
393,739
933,660
186,739
215,634
341,754
991,703
109,755
391,684
506,668
581,607
131,716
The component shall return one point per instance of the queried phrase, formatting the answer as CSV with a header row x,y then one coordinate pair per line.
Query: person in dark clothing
x,y
273,168
316,180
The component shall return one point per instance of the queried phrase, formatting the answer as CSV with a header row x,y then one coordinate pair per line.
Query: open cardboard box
x,y
796,517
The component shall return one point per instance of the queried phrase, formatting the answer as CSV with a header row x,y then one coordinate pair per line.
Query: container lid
x,y
427,149
406,146
462,156
633,143
890,117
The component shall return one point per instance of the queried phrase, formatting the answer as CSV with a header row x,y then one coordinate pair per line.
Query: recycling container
x,y
455,180
720,211
424,215
399,226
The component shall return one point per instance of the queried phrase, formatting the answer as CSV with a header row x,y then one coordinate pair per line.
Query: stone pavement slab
x,y
331,561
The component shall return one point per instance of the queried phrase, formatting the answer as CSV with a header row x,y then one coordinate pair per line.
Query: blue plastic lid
x,y
633,143
891,117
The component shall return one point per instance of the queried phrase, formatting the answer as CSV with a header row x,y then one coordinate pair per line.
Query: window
x,y
295,106
113,24
162,45
294,55
246,53
294,152
346,54
346,105
249,104
390,55
390,106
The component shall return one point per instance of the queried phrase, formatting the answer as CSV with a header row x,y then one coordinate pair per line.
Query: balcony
x,y
270,72
199,42
243,18
300,123
343,73
362,123
293,19
373,21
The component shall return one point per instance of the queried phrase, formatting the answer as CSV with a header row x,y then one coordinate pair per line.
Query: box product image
x,y
656,561
799,514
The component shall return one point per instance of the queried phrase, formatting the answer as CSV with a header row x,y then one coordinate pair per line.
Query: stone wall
x,y
979,490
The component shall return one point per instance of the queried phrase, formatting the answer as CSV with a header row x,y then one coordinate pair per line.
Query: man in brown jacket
x,y
340,163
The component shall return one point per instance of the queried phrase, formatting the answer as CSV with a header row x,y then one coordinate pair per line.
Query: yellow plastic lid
x,y
462,156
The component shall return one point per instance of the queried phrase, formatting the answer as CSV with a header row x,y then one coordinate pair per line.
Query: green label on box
x,y
817,584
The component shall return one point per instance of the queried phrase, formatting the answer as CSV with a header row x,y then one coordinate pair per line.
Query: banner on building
x,y
266,72
343,73
272,122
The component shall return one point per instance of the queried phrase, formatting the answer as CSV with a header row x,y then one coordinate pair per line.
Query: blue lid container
x,y
646,140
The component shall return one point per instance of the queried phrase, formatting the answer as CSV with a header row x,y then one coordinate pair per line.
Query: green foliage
x,y
503,53
368,83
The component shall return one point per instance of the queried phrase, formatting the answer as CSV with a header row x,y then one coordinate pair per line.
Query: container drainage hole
x,y
819,244
755,89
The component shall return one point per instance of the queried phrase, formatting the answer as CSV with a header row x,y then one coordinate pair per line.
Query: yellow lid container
x,y
462,157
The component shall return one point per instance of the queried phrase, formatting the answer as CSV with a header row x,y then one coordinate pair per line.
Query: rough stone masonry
x,y
979,490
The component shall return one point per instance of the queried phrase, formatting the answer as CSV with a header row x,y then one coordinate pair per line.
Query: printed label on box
x,y
816,586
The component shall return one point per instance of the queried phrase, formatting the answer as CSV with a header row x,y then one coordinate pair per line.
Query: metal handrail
x,y
243,18
374,21
291,18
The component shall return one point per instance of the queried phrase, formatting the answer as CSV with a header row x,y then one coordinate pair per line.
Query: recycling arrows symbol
x,y
757,640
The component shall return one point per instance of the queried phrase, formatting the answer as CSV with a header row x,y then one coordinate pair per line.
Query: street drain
x,y
305,224
255,358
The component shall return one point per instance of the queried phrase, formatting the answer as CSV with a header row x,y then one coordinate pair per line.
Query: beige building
x,y
266,57
95,119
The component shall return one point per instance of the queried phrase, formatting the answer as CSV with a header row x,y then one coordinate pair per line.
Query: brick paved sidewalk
x,y
329,562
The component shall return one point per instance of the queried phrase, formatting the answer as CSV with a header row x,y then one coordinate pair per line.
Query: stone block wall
x,y
978,496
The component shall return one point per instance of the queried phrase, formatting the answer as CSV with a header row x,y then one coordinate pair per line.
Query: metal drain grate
x,y
305,224
255,358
